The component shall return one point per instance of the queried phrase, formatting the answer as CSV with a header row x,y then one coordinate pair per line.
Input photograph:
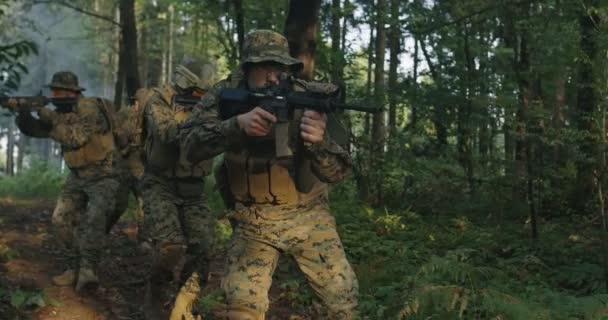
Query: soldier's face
x,y
62,93
264,74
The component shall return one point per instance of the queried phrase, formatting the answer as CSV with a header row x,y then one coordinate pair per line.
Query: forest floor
x,y
30,255
471,262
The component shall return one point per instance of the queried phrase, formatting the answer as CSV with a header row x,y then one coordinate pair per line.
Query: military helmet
x,y
193,74
65,80
268,46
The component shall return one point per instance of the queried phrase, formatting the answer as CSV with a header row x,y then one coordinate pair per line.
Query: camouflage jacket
x,y
72,130
129,133
205,135
162,121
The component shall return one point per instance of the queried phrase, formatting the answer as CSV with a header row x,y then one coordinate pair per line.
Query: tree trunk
x,y
465,135
521,116
395,50
10,149
345,19
128,72
337,56
22,145
439,111
414,111
557,117
240,25
378,141
170,45
586,104
143,48
301,29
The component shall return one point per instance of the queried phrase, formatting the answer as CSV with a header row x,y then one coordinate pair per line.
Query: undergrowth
x,y
470,266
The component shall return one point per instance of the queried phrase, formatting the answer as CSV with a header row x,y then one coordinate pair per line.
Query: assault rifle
x,y
186,100
281,101
32,103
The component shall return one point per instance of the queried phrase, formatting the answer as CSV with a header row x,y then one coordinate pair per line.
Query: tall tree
x,y
128,72
301,28
337,55
10,150
395,50
586,102
240,24
378,138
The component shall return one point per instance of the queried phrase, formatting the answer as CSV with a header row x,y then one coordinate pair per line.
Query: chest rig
x,y
254,175
166,158
100,146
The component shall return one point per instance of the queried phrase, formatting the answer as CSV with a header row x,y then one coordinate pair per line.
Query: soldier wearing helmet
x,y
177,222
280,205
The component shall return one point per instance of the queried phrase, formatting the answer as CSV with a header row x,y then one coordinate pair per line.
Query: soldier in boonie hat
x,y
268,46
65,80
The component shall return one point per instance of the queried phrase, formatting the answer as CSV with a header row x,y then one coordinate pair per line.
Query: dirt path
x,y
35,256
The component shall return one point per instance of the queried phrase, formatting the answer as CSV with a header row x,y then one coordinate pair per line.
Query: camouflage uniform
x,y
88,197
280,204
177,221
129,134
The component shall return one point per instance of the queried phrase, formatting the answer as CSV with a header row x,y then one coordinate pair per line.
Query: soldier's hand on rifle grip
x,y
312,126
257,122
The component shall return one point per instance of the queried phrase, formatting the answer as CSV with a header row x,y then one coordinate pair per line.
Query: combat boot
x,y
155,300
67,278
182,309
87,279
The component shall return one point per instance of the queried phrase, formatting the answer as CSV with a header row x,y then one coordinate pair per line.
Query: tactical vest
x,y
166,159
255,176
100,146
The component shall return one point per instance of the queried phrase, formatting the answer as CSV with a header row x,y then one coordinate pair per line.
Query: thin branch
x,y
78,9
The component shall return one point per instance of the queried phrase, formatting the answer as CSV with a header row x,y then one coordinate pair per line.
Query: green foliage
x,y
468,267
6,253
12,56
25,299
211,301
39,181
14,302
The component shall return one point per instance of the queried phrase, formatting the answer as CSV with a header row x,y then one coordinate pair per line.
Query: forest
x,y
476,193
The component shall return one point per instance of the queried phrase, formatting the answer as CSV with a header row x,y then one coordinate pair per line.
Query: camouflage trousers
x,y
308,234
177,221
82,213
131,185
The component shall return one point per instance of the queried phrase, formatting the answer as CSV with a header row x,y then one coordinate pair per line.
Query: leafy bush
x,y
39,181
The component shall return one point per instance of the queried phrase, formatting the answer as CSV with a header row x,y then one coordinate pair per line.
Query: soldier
x,y
178,224
280,205
88,198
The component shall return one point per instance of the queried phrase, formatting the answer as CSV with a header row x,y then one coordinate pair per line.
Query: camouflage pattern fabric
x,y
81,214
307,234
73,130
268,46
128,133
176,214
175,207
65,80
